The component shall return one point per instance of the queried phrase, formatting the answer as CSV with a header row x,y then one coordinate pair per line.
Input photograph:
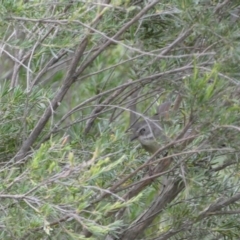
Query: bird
x,y
151,136
148,132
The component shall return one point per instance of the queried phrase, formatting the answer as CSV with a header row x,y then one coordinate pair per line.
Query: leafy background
x,y
69,71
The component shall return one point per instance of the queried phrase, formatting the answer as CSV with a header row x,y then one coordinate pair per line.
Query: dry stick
x,y
181,38
100,107
70,79
220,6
133,58
133,106
46,67
129,104
90,122
177,102
28,54
158,204
112,107
16,67
134,115
120,100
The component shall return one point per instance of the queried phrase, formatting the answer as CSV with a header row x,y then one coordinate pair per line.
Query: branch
x,y
54,104
157,206
100,108
210,211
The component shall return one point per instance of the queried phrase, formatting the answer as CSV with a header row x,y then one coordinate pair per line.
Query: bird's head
x,y
146,131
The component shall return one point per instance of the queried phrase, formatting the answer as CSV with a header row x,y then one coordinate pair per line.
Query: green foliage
x,y
79,177
19,113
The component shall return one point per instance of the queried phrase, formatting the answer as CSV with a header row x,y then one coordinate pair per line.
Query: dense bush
x,y
72,73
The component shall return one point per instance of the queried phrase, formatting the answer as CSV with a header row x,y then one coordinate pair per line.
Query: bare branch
x,y
159,203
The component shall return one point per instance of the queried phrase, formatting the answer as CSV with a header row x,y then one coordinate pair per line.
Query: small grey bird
x,y
148,132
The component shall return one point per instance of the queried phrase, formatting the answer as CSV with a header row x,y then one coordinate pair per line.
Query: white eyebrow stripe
x,y
150,135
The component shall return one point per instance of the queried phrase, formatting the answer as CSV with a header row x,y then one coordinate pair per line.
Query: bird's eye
x,y
142,131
